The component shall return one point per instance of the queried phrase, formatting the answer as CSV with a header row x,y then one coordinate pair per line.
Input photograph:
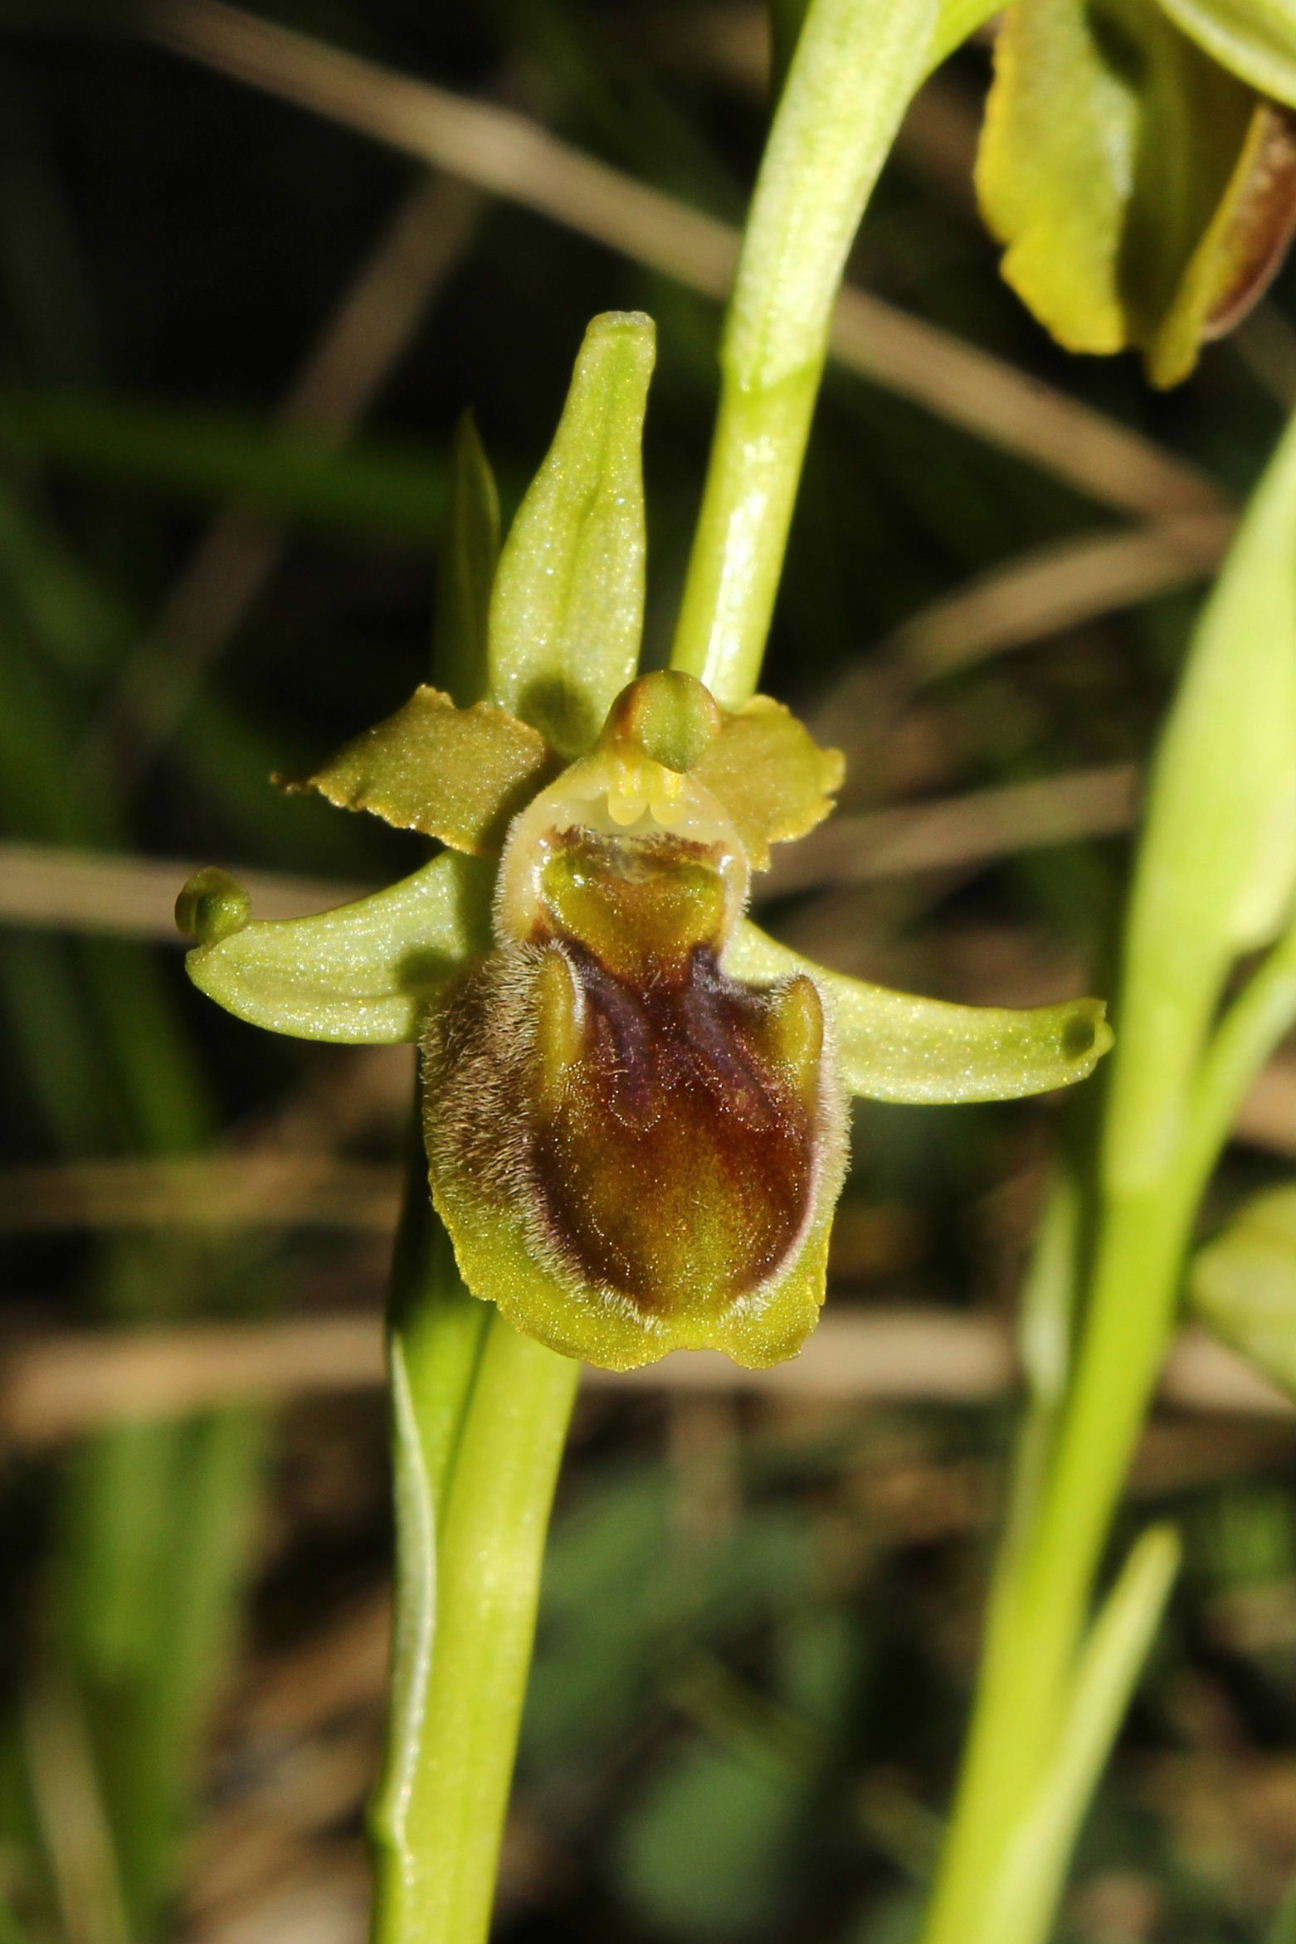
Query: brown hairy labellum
x,y
633,1151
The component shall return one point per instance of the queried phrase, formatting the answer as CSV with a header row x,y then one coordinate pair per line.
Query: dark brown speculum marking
x,y
676,1111
676,1164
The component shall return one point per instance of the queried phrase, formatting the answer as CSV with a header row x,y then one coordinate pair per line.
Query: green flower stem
x,y
481,1415
1044,1585
856,66
956,19
1214,880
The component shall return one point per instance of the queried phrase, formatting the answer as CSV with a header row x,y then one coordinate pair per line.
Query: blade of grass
x,y
1105,1677
141,1508
278,472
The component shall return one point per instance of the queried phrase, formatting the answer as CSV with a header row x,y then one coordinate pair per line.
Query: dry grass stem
x,y
957,831
1059,586
220,1191
67,1383
84,891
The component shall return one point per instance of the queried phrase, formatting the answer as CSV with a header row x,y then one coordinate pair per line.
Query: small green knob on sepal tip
x,y
212,905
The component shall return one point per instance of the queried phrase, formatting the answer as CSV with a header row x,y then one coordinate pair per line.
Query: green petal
x,y
567,612
460,775
1244,1284
771,776
1121,166
466,563
1256,39
362,973
897,1046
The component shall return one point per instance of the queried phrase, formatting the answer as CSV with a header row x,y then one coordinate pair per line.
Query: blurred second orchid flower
x,y
635,1100
1138,161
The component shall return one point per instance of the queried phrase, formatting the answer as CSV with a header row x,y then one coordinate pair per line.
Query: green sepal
x,y
567,611
770,775
1243,1284
1255,39
363,973
898,1046
1144,193
460,775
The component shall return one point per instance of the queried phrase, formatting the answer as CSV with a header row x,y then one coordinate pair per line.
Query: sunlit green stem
x,y
1046,1573
856,66
480,1416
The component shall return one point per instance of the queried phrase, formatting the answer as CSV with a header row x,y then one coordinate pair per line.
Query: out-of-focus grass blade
x,y
201,1536
216,456
151,1535
1283,1928
11,1931
76,620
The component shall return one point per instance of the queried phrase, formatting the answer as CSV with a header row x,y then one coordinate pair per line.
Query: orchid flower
x,y
635,1100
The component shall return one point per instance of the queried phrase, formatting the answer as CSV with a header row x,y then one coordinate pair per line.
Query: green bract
x,y
1141,177
635,1100
1243,1283
1218,861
